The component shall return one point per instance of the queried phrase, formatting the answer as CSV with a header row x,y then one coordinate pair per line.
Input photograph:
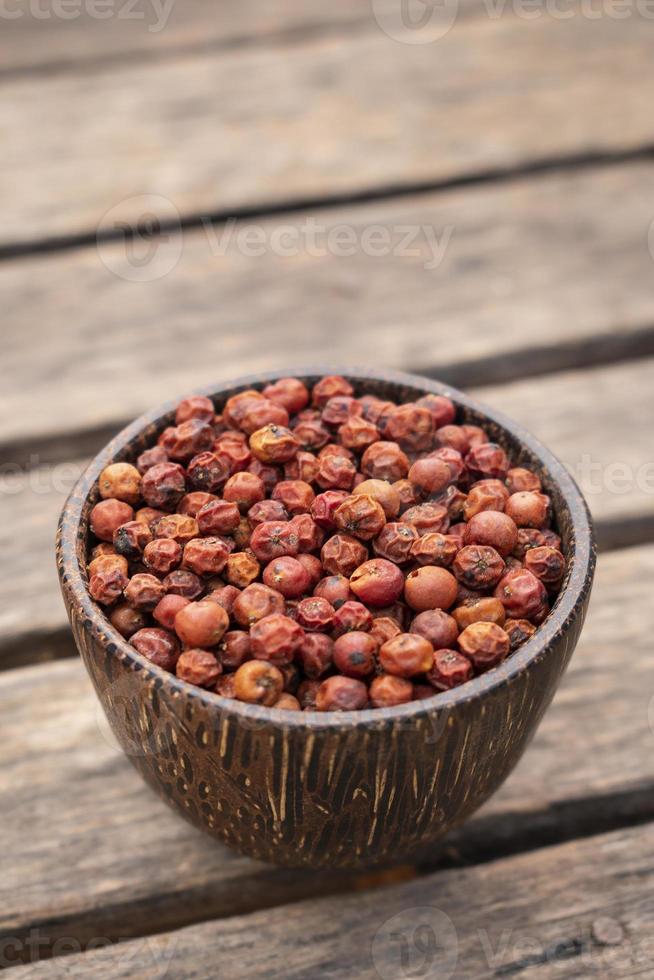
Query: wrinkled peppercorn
x,y
108,516
384,461
107,585
198,667
547,564
360,516
437,626
484,609
130,540
164,485
395,542
144,591
485,644
121,481
450,669
354,654
186,584
341,694
274,444
434,548
255,602
518,630
242,569
478,566
127,621
206,556
351,616
159,646
162,556
406,655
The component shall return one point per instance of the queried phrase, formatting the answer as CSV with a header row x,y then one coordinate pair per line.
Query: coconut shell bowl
x,y
332,789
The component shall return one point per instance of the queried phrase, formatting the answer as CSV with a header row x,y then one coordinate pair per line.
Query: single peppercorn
x,y
267,510
258,682
206,556
226,686
528,509
331,386
195,407
291,393
150,458
406,655
108,516
104,563
107,585
272,539
131,539
276,638
316,655
342,553
430,587
485,495
296,496
426,518
361,516
335,589
384,628
354,654
245,490
127,621
437,626
167,608
429,475
433,548
341,694
241,569
288,576
201,624
158,646
162,556
494,529
395,542
198,667
450,669
485,609
183,442
255,602
522,594
274,444
186,584
485,644
351,616
122,481
518,631
163,486
478,566
377,582
315,614
487,460
144,591
441,408
384,461
225,596
412,427
547,564
518,478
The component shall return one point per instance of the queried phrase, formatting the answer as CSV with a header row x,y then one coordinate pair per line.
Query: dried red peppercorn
x,y
519,479
163,486
144,591
450,669
258,682
441,408
255,602
127,621
406,655
528,509
195,407
130,540
162,556
303,467
198,667
276,638
430,587
288,576
107,585
485,644
274,444
291,393
335,473
108,516
315,613
426,518
361,516
167,608
331,386
225,596
241,569
158,646
206,556
522,594
341,554
201,624
341,694
120,481
518,631
296,496
434,549
354,654
482,609
186,584
384,628
478,566
485,495
377,582
429,475
547,564
351,615
412,427
487,460
312,567
183,442
453,436
324,507
309,536
494,529
208,472
437,626
274,540
385,461
335,589
150,458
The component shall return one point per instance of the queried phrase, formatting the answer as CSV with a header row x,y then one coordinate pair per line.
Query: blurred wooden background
x,y
190,191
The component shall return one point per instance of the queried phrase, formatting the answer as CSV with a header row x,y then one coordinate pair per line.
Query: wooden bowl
x,y
329,790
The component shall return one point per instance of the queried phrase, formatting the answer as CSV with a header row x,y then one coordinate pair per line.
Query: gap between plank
x,y
482,841
545,166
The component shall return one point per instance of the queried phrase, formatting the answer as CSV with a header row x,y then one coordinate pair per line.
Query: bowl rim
x,y
567,608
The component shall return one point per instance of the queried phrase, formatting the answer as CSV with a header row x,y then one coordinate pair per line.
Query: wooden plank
x,y
84,839
158,27
336,116
533,271
583,909
612,460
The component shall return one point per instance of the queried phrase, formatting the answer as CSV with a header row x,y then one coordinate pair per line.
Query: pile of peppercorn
x,y
314,550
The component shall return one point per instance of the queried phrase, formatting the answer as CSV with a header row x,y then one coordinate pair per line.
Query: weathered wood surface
x,y
583,909
145,28
331,117
536,274
614,463
84,837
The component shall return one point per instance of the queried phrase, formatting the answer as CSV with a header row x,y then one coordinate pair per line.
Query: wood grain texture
x,y
221,131
583,909
146,28
531,266
100,866
616,434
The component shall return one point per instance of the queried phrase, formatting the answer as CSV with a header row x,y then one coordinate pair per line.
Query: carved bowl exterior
x,y
331,790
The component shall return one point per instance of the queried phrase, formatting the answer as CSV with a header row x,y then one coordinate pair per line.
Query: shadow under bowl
x,y
333,790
